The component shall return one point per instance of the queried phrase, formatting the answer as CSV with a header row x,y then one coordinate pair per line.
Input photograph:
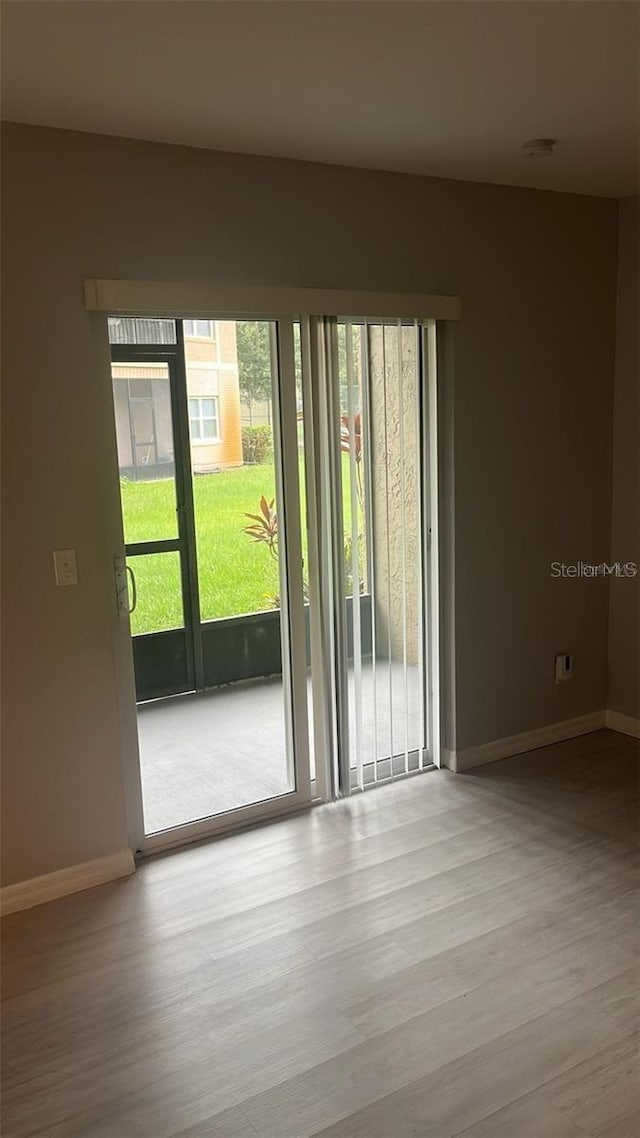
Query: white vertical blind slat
x,y
355,555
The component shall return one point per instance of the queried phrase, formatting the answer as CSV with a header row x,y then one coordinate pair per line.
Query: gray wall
x,y
531,404
624,594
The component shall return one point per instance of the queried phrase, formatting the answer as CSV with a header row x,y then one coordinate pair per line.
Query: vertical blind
x,y
370,391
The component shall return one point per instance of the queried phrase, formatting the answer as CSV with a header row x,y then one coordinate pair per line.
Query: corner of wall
x,y
623,697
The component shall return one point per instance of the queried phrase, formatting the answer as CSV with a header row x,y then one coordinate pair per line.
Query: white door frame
x,y
193,299
324,492
293,637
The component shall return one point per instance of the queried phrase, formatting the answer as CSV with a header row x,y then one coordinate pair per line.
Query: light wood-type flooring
x,y
450,955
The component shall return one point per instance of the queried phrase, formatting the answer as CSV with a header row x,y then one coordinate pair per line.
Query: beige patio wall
x,y
395,486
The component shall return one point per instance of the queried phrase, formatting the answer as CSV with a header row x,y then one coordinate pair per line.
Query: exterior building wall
x,y
230,453
199,350
220,380
212,372
225,335
395,484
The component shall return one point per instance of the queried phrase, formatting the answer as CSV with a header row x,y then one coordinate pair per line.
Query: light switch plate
x,y
65,566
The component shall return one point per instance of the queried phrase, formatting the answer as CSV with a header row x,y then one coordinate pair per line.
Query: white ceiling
x,y
450,89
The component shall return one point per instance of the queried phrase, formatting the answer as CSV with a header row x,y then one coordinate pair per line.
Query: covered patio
x,y
206,753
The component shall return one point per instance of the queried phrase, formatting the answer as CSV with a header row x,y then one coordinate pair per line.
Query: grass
x,y
235,574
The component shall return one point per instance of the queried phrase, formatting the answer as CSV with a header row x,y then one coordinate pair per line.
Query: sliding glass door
x,y
208,454
278,484
369,386
381,442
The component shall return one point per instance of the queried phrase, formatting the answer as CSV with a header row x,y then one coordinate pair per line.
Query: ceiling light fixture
x,y
539,147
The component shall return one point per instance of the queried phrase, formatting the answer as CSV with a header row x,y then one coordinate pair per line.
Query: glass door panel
x,y
209,465
236,474
380,475
145,386
158,593
146,455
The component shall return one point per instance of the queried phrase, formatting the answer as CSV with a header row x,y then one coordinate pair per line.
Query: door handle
x,y
134,590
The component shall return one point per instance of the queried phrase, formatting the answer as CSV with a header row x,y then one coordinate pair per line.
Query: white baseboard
x,y
448,759
458,761
626,724
37,890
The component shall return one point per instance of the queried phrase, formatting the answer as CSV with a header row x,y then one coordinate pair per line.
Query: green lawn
x,y
235,574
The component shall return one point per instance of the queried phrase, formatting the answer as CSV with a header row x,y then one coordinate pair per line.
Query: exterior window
x,y
204,424
199,329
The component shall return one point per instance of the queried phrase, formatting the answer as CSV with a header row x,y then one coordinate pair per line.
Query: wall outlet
x,y
564,668
65,566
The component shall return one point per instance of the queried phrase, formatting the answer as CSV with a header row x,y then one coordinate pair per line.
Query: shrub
x,y
257,443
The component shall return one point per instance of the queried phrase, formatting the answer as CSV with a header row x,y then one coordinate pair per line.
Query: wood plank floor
x,y
451,955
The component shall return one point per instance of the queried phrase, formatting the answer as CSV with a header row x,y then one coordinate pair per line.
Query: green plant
x,y
264,526
257,444
235,575
264,529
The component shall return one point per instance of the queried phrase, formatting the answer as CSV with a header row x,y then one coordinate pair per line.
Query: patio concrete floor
x,y
203,754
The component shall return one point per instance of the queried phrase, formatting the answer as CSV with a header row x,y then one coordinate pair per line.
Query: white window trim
x,y
200,440
210,337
